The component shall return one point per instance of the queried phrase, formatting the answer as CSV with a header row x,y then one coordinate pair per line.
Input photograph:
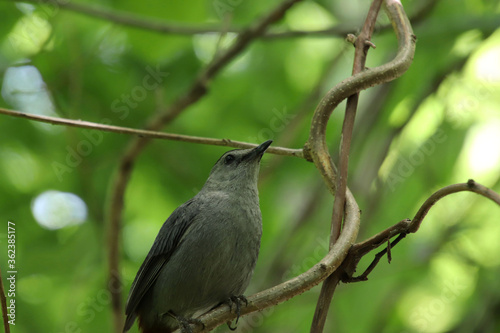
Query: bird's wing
x,y
166,242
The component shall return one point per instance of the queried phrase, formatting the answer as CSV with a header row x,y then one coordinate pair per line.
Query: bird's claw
x,y
184,323
237,300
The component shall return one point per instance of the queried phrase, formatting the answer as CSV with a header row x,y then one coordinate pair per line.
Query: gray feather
x,y
206,251
165,243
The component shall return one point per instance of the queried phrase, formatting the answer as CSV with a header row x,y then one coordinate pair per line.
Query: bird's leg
x,y
185,322
237,300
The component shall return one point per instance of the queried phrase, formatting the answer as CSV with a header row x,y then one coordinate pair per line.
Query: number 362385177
x,y
11,248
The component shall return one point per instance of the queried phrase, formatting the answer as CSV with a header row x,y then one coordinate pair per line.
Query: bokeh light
x,y
56,210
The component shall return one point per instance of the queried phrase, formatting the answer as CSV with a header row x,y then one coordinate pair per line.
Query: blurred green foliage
x,y
438,124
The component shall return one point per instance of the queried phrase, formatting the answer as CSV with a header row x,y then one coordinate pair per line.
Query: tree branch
x,y
471,186
362,45
3,301
405,227
128,19
163,27
148,133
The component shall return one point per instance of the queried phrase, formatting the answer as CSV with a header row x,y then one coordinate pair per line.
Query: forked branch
x,y
403,228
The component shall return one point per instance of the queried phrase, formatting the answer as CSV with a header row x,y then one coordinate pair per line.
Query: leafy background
x,y
439,124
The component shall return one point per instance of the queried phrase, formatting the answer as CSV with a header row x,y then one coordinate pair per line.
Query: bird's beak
x,y
262,147
258,151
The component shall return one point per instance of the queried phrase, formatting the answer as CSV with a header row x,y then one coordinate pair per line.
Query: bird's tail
x,y
129,321
156,329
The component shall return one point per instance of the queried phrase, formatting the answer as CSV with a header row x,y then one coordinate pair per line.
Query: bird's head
x,y
237,168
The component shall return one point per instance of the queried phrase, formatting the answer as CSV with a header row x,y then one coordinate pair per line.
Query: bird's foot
x,y
236,300
184,323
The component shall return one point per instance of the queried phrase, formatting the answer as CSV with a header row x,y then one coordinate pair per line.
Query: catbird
x,y
205,252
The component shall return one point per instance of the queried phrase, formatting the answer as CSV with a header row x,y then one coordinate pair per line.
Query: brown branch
x,y
373,264
148,134
362,44
471,186
128,19
3,300
163,27
194,93
405,227
316,148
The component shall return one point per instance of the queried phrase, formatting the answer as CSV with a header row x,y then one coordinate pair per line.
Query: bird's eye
x,y
229,159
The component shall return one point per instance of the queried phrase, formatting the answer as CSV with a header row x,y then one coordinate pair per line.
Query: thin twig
x,y
197,90
3,300
149,134
471,186
389,247
403,228
368,245
373,264
163,27
129,19
362,46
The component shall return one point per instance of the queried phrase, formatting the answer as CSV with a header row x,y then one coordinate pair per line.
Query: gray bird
x,y
205,252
